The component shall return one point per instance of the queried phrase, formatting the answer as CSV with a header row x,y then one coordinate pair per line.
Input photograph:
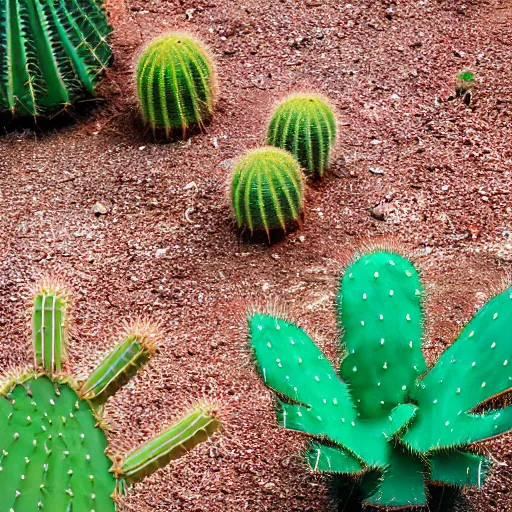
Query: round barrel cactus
x,y
305,125
54,453
267,190
175,84
52,53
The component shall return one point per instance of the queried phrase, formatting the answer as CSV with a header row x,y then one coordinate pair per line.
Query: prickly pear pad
x,y
379,309
52,454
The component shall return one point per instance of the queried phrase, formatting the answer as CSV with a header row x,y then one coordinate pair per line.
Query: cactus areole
x,y
53,449
383,410
175,84
52,53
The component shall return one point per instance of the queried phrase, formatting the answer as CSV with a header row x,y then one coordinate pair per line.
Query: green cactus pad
x,y
304,125
459,468
119,365
49,327
51,451
52,53
321,457
171,444
401,484
176,84
267,190
474,369
292,365
379,310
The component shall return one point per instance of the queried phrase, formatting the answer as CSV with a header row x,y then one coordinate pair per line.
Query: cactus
x,y
175,84
381,411
267,190
51,53
464,86
305,125
53,444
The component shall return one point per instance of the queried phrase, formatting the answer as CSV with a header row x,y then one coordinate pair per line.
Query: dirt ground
x,y
439,171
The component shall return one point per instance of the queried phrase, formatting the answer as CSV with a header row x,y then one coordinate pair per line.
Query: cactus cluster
x,y
52,53
266,190
175,84
53,449
381,411
304,124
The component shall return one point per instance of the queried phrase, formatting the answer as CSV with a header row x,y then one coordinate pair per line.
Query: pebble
x,y
99,209
376,170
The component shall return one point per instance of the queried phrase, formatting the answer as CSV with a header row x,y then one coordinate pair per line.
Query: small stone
x,y
99,209
376,170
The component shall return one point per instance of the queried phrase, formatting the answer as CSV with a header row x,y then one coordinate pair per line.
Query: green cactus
x,y
53,448
51,53
176,84
387,414
305,125
267,190
465,82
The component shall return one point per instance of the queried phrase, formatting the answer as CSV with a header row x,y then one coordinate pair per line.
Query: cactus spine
x,y
267,190
305,125
175,84
387,414
52,443
51,53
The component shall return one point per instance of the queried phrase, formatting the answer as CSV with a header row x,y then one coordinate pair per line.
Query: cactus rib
x,y
53,53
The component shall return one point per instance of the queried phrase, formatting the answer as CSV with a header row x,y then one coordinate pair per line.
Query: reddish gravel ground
x,y
167,247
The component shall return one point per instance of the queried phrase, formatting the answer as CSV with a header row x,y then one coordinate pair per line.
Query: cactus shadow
x,y
275,236
80,112
159,136
349,495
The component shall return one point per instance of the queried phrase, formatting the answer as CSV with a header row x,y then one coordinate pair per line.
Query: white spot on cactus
x,y
16,435
495,316
493,344
382,402
353,424
365,296
335,401
385,366
447,423
299,360
354,369
382,341
417,292
317,378
458,390
378,384
381,317
471,334
287,377
376,275
391,293
483,384
408,317
505,362
362,322
392,263
52,402
278,327
295,389
292,342
351,276
408,273
404,387
319,418
269,345
473,363
260,328
435,401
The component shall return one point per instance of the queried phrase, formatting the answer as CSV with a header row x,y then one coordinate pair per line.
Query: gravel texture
x,y
138,227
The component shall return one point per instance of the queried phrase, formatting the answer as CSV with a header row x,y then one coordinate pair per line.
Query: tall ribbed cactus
x,y
52,53
267,190
52,442
305,125
176,84
387,414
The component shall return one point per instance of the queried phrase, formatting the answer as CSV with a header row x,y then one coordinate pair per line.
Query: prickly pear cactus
x,y
381,411
305,125
176,84
52,53
267,190
53,448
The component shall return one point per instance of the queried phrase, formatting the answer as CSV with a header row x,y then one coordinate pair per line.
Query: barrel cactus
x,y
464,86
267,190
382,412
52,53
176,84
53,448
305,125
